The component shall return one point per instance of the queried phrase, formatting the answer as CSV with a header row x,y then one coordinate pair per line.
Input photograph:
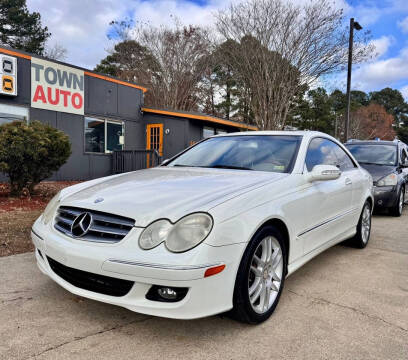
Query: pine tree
x,y
21,29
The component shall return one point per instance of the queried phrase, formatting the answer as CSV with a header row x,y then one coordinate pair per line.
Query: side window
x,y
325,152
344,161
404,155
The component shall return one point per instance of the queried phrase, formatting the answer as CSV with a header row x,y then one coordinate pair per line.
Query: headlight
x,y
185,234
50,209
389,180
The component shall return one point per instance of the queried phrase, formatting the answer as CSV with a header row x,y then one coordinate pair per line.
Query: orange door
x,y
154,138
154,141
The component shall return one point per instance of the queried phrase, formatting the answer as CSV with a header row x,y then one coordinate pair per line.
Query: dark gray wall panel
x,y
195,131
45,116
129,103
100,165
135,135
77,166
102,97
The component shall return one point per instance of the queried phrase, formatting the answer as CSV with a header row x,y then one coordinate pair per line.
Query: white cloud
x,y
382,73
382,45
81,26
403,24
404,92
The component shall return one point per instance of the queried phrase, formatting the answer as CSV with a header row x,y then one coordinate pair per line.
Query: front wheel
x,y
260,278
360,240
397,209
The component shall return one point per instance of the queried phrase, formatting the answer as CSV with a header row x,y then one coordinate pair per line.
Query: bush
x,y
31,153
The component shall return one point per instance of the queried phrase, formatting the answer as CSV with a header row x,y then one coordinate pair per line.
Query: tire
x,y
262,269
396,210
360,240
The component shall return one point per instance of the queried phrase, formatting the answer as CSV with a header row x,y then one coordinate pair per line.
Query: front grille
x,y
92,282
104,227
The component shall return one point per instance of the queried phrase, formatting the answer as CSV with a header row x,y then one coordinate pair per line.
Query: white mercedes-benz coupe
x,y
217,228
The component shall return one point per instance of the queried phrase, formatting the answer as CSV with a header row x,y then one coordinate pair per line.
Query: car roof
x,y
373,142
304,133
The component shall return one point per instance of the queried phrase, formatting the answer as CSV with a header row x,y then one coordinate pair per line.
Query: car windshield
x,y
374,153
274,153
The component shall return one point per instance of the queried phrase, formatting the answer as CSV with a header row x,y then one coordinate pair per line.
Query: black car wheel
x,y
260,278
396,210
360,240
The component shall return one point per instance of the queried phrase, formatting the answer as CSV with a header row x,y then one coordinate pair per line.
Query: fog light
x,y
167,293
379,202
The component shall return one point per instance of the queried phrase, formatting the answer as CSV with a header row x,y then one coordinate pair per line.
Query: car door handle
x,y
348,181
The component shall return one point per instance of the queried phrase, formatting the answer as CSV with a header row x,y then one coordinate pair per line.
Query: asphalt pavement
x,y
344,304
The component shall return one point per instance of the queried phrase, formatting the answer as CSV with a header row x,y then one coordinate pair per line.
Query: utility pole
x,y
357,26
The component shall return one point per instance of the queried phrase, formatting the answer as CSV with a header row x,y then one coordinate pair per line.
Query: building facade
x,y
100,114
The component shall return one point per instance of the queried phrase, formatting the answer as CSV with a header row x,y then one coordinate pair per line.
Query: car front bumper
x,y
125,260
385,196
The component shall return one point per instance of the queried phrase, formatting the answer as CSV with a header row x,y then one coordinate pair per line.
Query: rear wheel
x,y
396,210
260,277
360,240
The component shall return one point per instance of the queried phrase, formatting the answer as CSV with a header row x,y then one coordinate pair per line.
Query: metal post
x,y
350,60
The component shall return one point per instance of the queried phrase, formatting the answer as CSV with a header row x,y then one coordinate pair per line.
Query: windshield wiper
x,y
229,167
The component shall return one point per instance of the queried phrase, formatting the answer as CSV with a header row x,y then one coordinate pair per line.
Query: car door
x,y
327,204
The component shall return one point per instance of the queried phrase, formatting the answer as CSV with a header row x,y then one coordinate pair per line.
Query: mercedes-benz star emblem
x,y
98,200
81,224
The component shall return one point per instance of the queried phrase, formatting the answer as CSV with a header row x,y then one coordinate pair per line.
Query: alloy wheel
x,y
366,224
401,201
265,275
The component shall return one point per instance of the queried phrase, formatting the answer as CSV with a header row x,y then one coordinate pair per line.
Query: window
x,y
325,152
404,155
103,136
221,132
374,153
207,132
9,113
274,153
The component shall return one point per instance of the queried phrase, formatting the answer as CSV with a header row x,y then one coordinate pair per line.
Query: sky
x,y
81,26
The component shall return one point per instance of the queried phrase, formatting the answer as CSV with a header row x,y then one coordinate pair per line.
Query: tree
x,y
56,52
30,153
315,112
21,29
181,53
295,46
372,121
170,61
130,61
393,101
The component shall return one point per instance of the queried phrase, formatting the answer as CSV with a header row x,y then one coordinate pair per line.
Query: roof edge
x,y
203,117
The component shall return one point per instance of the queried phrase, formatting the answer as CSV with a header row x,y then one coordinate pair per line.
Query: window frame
x,y
9,106
334,142
105,121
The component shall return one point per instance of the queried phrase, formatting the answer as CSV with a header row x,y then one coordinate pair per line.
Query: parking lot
x,y
344,304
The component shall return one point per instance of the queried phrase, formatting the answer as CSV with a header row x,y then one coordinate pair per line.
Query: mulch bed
x,y
18,214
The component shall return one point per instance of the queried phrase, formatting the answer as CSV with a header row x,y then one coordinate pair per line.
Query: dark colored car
x,y
387,162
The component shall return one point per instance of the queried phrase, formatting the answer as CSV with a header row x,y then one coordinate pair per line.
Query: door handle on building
x,y
348,181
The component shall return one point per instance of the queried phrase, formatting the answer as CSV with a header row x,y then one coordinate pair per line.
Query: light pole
x,y
357,26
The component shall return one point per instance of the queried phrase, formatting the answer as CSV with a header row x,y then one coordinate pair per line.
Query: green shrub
x,y
31,153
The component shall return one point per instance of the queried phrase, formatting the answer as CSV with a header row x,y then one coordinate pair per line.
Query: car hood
x,y
165,192
378,171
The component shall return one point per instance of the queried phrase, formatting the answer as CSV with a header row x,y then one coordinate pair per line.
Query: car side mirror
x,y
324,172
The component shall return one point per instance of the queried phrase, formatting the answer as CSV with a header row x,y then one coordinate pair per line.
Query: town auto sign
x,y
56,87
